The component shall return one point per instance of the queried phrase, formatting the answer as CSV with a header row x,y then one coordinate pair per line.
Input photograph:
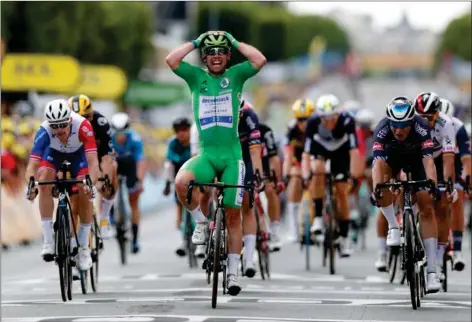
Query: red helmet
x,y
427,103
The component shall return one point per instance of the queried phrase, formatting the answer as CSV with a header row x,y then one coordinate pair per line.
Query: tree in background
x,y
117,33
456,39
275,31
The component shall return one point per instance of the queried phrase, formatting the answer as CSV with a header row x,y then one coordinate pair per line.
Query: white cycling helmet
x,y
352,106
57,111
468,128
365,118
120,122
400,109
327,105
447,107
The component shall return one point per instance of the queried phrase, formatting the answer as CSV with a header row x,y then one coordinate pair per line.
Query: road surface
x,y
156,285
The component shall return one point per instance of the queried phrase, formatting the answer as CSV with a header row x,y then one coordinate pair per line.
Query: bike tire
x,y
332,247
83,281
410,257
216,257
259,244
120,228
95,255
61,253
307,236
444,271
392,263
192,259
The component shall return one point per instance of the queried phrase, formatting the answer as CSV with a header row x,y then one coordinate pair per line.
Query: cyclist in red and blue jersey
x,y
128,146
403,141
64,135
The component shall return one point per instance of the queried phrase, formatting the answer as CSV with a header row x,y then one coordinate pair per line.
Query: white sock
x,y
431,246
440,253
389,213
47,230
84,234
293,208
73,242
198,215
382,246
106,207
233,263
275,227
249,247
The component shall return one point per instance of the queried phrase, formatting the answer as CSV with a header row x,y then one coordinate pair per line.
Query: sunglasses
x,y
400,125
302,119
216,51
59,126
328,117
427,117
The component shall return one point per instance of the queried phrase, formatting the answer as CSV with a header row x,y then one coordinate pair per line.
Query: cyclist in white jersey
x,y
64,135
428,106
463,170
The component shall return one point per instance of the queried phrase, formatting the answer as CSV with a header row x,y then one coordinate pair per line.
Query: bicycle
x,y
96,246
64,256
120,219
217,247
413,251
189,226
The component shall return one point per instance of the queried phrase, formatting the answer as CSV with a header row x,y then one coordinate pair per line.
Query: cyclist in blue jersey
x,y
130,157
178,152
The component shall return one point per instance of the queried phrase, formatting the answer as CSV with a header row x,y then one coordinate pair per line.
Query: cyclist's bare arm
x,y
430,169
141,170
275,164
256,159
31,169
448,166
176,56
288,156
306,169
255,57
93,166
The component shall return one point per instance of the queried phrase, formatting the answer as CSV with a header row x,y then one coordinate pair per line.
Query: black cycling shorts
x,y
340,159
127,166
408,163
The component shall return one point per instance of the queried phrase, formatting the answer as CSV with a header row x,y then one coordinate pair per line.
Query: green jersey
x,y
215,102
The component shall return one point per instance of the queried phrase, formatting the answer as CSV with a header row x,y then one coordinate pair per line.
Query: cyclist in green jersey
x,y
216,93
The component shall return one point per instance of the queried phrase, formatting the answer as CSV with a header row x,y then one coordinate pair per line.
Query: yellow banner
x,y
102,81
50,73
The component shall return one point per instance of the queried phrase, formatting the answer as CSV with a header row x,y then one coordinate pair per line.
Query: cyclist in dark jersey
x,y
271,163
178,152
403,141
82,105
250,138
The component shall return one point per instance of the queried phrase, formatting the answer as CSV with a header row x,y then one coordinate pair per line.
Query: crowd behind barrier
x,y
20,219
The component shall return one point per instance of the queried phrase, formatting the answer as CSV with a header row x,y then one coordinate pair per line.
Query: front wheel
x,y
216,257
411,275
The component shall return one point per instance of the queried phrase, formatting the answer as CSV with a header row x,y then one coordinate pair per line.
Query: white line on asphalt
x,y
191,318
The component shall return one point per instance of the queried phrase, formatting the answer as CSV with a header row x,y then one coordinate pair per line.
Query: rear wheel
x,y
259,244
61,253
410,259
444,271
216,258
95,248
392,262
121,227
84,281
192,259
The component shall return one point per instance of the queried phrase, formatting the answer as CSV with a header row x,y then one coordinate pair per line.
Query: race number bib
x,y
216,111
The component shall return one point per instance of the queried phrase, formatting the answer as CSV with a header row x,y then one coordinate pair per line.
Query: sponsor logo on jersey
x,y
377,146
250,123
383,132
241,175
427,144
255,135
420,130
224,83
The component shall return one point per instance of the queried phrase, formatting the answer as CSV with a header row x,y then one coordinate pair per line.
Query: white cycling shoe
x,y
317,226
200,234
47,252
233,285
432,283
393,237
459,264
84,261
381,263
200,251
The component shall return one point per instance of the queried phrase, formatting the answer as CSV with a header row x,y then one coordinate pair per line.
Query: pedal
x,y
204,264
